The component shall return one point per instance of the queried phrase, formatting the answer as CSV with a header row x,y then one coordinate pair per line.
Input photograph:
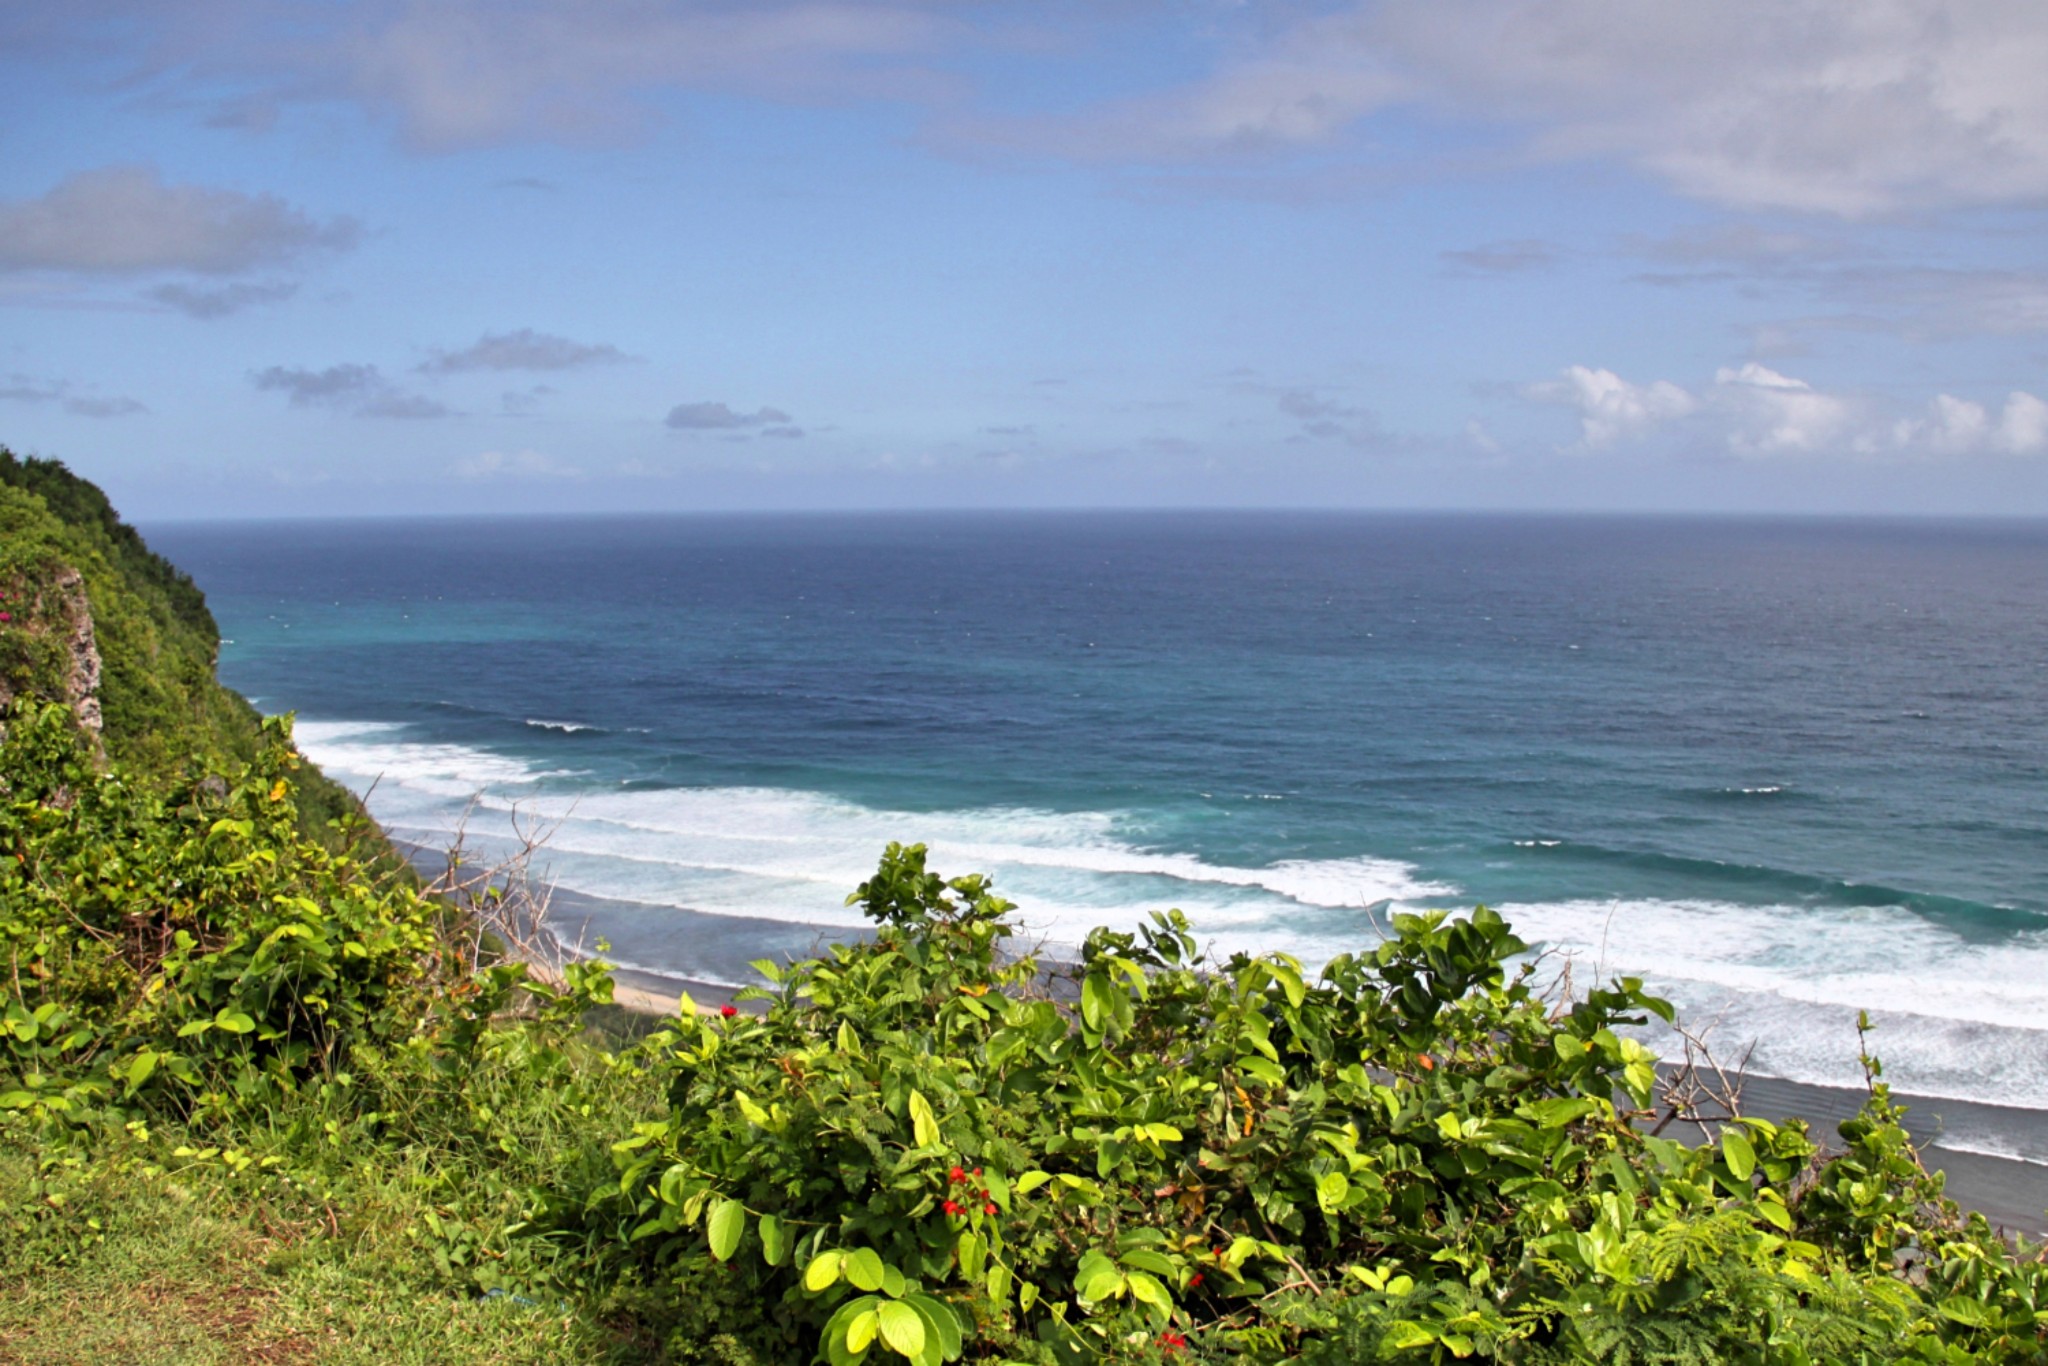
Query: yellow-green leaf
x,y
822,1273
924,1125
774,1240
902,1327
1735,1147
864,1268
724,1225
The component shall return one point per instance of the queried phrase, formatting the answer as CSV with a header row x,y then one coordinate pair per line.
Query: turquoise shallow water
x,y
1785,770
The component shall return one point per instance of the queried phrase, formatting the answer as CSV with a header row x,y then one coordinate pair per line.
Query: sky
x,y
376,257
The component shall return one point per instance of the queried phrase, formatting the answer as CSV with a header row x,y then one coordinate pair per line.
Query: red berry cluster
x,y
1172,1343
959,1176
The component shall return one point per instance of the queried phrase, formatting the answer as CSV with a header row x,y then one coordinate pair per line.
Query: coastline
x,y
713,953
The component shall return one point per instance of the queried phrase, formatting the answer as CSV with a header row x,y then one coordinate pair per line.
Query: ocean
x,y
1783,770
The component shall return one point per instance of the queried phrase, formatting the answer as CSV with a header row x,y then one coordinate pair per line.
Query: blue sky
x,y
270,257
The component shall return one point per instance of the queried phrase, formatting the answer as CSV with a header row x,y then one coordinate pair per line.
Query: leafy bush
x,y
925,1145
925,1148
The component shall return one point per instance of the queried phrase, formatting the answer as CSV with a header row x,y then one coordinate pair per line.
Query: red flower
x,y
1194,1280
989,1208
1172,1343
956,1176
6,616
950,1207
728,1011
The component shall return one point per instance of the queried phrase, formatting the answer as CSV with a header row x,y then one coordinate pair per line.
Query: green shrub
x,y
926,1149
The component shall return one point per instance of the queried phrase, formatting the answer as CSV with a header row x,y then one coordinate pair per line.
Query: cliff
x,y
92,618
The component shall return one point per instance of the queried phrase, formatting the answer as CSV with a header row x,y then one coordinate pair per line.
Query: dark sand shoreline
x,y
706,955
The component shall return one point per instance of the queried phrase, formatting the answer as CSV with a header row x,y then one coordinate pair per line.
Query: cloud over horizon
x,y
125,220
358,389
713,417
524,349
1755,413
27,389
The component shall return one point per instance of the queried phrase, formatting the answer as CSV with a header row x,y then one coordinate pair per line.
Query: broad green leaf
x,y
774,1240
234,1021
860,1331
932,1352
1146,1288
1772,1207
971,1250
1263,1072
724,1225
999,1284
1162,1133
1290,983
753,1112
863,1267
1147,1260
823,1272
924,1125
1095,1000
902,1327
942,1319
1331,1188
1558,1112
1103,1285
1735,1147
1406,1333
835,1336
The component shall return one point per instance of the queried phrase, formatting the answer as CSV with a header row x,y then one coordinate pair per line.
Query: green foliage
x,y
1151,1155
924,1146
165,714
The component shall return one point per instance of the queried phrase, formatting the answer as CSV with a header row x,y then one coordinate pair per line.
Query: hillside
x,y
96,620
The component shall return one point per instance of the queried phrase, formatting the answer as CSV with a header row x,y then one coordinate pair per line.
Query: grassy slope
x,y
157,640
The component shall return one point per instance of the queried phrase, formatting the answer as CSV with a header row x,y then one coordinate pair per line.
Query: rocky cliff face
x,y
55,653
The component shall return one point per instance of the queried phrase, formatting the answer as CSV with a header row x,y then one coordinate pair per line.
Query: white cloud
x,y
1816,105
1774,414
2023,429
124,220
1754,412
515,465
1956,426
1610,407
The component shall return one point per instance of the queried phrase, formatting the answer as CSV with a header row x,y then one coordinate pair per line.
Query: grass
x,y
374,1245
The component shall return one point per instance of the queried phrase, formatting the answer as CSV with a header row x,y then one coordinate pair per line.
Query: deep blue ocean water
x,y
1782,769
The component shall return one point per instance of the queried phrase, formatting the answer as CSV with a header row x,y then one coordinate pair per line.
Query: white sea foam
x,y
566,727
1956,1018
